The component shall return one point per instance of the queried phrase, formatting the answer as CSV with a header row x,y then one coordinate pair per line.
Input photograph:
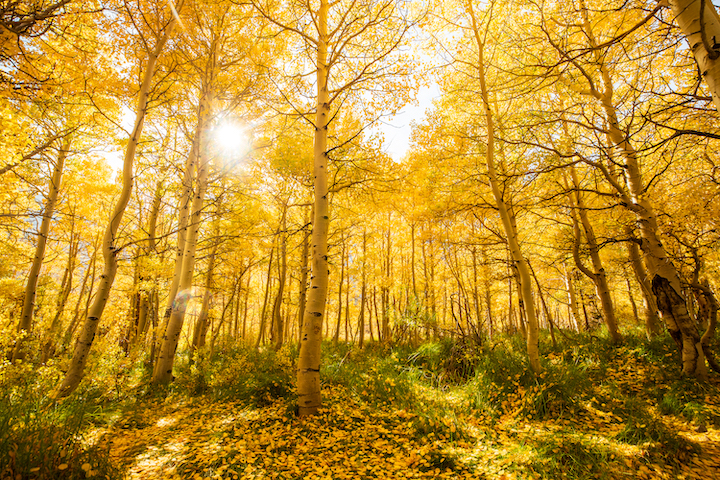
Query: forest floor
x,y
442,409
632,420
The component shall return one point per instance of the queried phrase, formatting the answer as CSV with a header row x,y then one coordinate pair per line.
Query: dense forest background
x,y
199,213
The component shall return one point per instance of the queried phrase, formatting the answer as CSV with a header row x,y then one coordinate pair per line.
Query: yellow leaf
x,y
63,466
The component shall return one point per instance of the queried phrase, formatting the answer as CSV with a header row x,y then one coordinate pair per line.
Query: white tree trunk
x,y
162,374
84,342
308,379
26,320
508,220
703,37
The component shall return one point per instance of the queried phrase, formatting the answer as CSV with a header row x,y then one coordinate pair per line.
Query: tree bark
x,y
65,289
597,276
263,313
304,257
26,318
363,294
308,380
385,289
652,322
202,324
89,274
336,337
700,24
146,295
163,369
278,326
82,348
572,299
665,279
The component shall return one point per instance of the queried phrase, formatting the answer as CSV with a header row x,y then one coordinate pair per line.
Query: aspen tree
x,y
598,277
278,327
363,293
699,22
358,47
384,331
572,299
184,205
26,318
66,286
336,337
308,380
304,257
162,374
631,190
641,275
202,324
109,247
145,297
519,261
88,275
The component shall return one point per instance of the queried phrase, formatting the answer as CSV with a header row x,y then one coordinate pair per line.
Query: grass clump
x,y
503,383
642,428
687,398
43,440
376,375
567,457
243,374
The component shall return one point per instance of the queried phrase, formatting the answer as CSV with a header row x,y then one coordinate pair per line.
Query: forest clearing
x,y
359,239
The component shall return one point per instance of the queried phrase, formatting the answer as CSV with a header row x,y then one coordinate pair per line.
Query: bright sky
x,y
398,128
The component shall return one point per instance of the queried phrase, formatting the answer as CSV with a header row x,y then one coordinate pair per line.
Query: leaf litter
x,y
354,439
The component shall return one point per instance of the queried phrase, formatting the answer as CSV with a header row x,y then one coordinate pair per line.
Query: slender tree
x,y
110,249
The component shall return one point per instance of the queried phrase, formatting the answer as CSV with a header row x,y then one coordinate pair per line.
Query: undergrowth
x,y
40,439
446,390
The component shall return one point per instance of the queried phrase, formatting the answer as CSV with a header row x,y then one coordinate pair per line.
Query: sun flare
x,y
231,138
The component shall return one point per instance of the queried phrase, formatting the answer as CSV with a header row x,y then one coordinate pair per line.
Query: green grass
x,y
244,374
566,456
43,440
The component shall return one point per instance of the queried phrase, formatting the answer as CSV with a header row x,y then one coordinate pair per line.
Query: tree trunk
x,y
597,276
163,370
385,289
652,322
146,295
65,289
304,257
263,323
504,211
631,297
546,310
572,299
665,279
82,349
201,326
336,337
26,318
89,274
308,381
278,326
347,300
245,306
700,24
363,294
